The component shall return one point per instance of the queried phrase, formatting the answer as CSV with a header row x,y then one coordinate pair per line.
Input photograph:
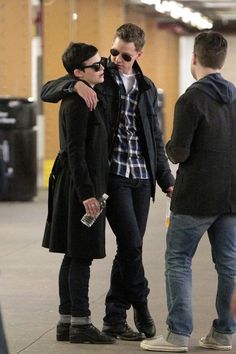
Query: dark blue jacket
x,y
204,143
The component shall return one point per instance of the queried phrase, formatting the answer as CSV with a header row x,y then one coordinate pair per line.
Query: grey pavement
x,y
28,282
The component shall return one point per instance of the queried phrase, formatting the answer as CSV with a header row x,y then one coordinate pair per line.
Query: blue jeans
x,y
183,236
127,212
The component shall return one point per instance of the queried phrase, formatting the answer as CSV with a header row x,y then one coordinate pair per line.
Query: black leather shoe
x,y
63,331
122,331
144,322
89,334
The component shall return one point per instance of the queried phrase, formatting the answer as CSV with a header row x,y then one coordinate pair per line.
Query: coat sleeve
x,y
164,176
53,91
76,116
186,118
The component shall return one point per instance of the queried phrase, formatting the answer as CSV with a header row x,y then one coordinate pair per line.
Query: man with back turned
x,y
203,142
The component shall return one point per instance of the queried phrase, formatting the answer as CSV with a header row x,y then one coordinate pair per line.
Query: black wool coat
x,y
79,173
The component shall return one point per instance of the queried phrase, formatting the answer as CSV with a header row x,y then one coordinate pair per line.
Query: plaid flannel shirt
x,y
127,159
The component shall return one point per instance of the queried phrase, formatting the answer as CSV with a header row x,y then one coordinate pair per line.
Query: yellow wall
x,y
15,47
96,24
97,20
167,73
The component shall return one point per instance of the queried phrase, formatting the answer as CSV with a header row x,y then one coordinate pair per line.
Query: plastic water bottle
x,y
89,220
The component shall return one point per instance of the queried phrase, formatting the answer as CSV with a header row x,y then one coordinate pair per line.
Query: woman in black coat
x,y
77,181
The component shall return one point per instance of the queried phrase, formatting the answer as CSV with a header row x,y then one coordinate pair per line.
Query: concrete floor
x,y
28,282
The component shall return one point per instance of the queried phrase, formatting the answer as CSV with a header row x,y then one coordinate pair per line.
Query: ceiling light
x,y
219,5
74,16
178,11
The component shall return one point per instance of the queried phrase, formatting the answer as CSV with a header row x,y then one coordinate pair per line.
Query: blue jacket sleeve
x,y
186,120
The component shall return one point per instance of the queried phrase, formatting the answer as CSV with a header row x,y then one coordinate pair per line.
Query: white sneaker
x,y
159,344
216,340
210,343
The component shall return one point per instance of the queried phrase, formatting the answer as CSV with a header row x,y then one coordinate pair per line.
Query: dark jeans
x,y
74,286
127,212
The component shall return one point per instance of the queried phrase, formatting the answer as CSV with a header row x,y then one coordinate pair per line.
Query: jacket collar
x,y
143,84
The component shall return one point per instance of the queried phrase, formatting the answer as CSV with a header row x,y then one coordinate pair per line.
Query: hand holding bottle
x,y
90,217
92,206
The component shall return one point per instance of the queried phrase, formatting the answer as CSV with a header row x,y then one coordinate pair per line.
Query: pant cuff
x,y
222,338
80,321
177,339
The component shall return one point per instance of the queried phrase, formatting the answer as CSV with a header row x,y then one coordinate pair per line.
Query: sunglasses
x,y
95,66
114,52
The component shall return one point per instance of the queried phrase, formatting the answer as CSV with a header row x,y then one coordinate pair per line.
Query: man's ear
x,y
139,54
194,59
78,73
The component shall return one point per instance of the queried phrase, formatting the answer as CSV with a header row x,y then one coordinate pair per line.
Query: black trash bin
x,y
18,162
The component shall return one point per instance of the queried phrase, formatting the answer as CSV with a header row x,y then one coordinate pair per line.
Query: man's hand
x,y
92,206
169,191
87,93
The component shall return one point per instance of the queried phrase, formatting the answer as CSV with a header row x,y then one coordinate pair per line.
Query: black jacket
x,y
151,135
80,172
204,143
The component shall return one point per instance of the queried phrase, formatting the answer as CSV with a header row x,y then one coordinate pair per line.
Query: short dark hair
x,y
211,48
75,55
131,33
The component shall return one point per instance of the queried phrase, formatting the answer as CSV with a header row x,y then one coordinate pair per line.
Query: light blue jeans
x,y
183,236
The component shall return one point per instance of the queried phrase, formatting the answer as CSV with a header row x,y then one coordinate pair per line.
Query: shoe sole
x,y
164,348
63,338
89,340
214,346
129,339
135,339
